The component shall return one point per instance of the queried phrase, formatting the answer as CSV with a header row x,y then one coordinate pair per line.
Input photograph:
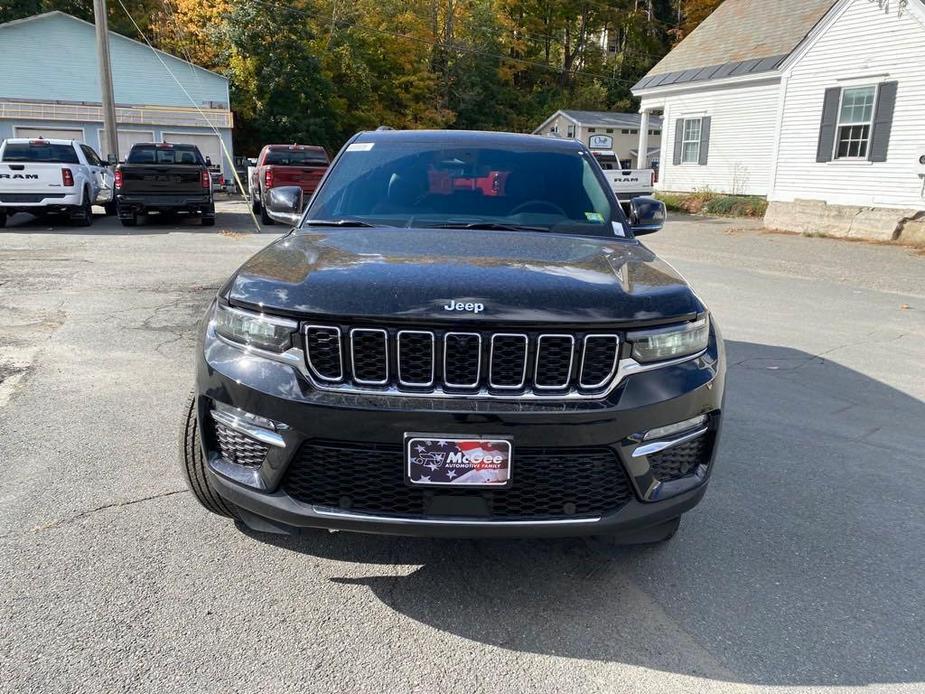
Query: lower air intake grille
x,y
682,460
547,484
238,448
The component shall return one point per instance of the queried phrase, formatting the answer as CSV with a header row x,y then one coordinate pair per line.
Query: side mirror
x,y
285,204
112,159
647,215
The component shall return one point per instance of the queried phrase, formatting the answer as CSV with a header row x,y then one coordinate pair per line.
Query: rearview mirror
x,y
285,205
647,215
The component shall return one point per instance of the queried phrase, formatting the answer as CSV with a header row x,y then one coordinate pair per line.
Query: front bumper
x,y
303,415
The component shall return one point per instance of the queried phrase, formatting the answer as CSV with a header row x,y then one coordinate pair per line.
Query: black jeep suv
x,y
461,336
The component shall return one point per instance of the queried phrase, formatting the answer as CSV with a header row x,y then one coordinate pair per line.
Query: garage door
x,y
209,145
50,133
127,138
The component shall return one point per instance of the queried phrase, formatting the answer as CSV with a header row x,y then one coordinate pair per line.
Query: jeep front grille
x,y
492,364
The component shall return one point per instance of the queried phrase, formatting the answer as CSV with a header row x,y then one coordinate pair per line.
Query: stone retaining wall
x,y
847,221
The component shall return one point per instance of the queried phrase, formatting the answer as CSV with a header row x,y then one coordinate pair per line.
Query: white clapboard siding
x,y
863,43
743,120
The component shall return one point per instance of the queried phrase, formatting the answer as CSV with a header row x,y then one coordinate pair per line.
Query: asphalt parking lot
x,y
802,570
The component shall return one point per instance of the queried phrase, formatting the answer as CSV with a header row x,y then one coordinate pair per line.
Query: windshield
x,y
42,152
152,154
285,157
428,184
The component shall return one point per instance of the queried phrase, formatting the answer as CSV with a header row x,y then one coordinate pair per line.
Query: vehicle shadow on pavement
x,y
234,221
803,565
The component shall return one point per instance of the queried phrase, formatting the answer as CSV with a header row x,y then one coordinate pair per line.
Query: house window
x,y
610,130
855,120
570,132
690,141
625,131
592,130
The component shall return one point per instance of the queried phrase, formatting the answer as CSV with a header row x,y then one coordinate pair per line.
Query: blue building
x,y
49,86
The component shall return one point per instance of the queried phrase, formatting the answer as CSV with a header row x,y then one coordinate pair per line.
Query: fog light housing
x,y
677,428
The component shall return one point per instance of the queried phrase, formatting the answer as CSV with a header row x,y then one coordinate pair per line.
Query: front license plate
x,y
447,461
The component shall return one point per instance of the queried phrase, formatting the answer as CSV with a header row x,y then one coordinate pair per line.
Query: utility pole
x,y
111,146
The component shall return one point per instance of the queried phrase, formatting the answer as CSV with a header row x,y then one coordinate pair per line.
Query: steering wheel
x,y
538,203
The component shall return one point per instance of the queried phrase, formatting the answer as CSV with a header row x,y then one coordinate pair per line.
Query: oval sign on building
x,y
600,142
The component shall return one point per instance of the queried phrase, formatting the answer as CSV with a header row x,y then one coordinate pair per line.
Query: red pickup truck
x,y
286,165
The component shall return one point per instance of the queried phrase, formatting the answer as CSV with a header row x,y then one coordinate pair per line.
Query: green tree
x,y
278,89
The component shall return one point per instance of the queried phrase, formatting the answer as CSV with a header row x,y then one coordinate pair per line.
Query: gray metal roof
x,y
741,37
610,120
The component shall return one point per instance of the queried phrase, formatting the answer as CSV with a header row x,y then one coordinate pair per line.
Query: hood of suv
x,y
480,275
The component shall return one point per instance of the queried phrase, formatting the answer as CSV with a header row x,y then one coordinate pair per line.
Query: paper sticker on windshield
x,y
618,229
360,146
595,217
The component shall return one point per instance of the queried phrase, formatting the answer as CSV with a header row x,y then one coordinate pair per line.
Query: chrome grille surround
x,y
421,362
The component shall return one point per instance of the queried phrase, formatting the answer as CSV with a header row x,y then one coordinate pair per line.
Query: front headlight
x,y
670,343
254,329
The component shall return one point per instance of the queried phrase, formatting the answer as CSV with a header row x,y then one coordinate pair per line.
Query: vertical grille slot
x,y
554,357
323,352
369,356
508,364
462,360
599,360
415,358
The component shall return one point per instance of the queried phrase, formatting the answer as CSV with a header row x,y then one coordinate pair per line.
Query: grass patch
x,y
708,202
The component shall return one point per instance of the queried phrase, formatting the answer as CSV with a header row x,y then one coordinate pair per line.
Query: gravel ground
x,y
802,570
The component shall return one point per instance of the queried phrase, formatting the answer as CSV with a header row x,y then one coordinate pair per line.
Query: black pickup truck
x,y
165,178
462,336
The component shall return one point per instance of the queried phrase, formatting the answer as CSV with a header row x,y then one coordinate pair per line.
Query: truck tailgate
x,y
306,177
167,179
32,178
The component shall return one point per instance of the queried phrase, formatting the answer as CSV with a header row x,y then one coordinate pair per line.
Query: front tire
x,y
207,221
193,464
2,219
110,208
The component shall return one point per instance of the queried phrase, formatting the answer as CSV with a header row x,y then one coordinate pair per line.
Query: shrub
x,y
707,202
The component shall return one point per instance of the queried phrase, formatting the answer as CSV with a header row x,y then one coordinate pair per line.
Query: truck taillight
x,y
118,178
268,178
67,178
205,179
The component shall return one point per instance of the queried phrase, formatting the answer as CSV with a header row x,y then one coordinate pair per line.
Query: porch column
x,y
641,158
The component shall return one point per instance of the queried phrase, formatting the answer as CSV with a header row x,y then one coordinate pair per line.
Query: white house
x,y
817,104
606,131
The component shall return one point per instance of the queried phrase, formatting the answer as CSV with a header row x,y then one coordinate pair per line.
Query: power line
x,y
221,141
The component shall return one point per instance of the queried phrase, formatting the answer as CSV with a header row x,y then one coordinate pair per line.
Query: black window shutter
x,y
678,137
883,121
704,140
829,122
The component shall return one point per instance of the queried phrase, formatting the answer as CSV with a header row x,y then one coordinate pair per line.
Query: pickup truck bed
x,y
164,179
42,177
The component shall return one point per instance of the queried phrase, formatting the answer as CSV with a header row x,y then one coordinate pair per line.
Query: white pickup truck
x,y
41,177
625,183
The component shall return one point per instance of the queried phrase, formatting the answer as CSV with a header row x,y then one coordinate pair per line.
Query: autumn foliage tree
x,y
319,70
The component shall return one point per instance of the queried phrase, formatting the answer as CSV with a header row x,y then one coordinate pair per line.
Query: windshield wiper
x,y
498,226
339,223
